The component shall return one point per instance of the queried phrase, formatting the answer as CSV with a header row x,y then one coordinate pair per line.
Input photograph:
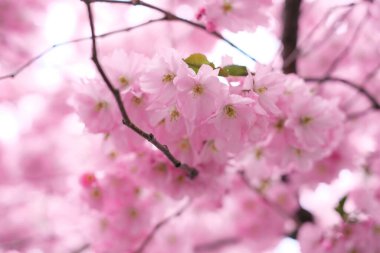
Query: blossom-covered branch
x,y
191,172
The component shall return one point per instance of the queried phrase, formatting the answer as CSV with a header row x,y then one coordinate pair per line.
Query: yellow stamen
x,y
124,82
227,7
101,105
229,111
136,100
305,120
184,144
133,213
161,168
168,78
174,115
280,124
259,153
198,90
261,90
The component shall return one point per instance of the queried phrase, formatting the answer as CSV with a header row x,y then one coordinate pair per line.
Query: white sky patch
x,y
139,14
262,45
9,125
288,245
60,23
48,78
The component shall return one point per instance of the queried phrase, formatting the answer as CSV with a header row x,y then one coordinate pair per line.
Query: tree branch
x,y
216,245
348,46
40,55
168,17
269,203
81,248
158,226
174,17
191,172
289,37
298,51
360,89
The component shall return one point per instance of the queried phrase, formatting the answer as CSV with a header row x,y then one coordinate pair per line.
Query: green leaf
x,y
195,61
233,70
340,208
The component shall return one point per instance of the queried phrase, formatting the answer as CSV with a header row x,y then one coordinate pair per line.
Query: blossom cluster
x,y
264,123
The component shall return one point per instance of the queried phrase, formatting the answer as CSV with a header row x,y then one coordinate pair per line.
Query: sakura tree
x,y
189,126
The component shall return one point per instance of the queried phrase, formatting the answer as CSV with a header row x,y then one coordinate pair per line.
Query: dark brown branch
x,y
40,55
158,226
191,172
173,17
289,37
375,104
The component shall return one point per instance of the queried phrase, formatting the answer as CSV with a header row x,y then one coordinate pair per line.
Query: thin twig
x,y
297,50
158,226
168,17
174,17
269,203
216,245
41,54
191,172
348,46
81,248
362,90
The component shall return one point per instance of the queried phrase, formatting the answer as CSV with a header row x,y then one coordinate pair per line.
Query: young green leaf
x,y
195,61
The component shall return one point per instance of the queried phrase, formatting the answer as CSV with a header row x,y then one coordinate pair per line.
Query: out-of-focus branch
x,y
348,46
216,245
174,17
375,104
81,248
271,204
289,36
191,172
299,51
158,226
43,53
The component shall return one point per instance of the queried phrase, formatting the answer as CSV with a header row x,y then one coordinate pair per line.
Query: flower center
x,y
259,153
124,82
305,120
184,144
133,213
136,100
280,124
227,7
168,78
161,168
174,115
198,89
101,105
212,146
261,90
229,111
